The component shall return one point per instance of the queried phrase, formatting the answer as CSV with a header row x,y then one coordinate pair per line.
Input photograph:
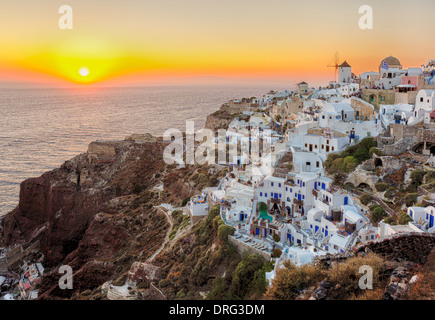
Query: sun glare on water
x,y
84,71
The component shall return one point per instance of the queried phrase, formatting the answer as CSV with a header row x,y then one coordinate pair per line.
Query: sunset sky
x,y
166,40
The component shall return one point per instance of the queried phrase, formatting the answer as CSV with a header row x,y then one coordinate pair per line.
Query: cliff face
x,y
95,212
220,119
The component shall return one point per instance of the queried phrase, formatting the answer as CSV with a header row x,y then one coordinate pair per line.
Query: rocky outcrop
x,y
219,119
95,213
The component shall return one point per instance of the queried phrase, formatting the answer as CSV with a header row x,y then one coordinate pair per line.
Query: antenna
x,y
335,65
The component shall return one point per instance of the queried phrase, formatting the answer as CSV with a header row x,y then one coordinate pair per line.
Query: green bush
x,y
366,199
276,238
390,220
349,164
276,253
377,214
185,201
410,199
262,206
403,218
224,231
374,150
417,176
381,187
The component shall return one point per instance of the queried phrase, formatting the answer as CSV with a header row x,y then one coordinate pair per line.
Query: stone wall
x,y
244,247
365,109
413,247
100,151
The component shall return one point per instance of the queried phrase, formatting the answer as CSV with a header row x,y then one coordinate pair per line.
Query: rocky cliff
x,y
97,213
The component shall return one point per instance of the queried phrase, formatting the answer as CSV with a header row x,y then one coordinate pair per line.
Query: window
x,y
421,99
265,194
261,194
271,184
317,164
332,148
279,185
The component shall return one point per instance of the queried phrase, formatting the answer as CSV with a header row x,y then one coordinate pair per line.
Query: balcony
x,y
298,202
315,193
277,201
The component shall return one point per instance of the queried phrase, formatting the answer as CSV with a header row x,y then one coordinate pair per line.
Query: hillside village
x,y
300,199
319,174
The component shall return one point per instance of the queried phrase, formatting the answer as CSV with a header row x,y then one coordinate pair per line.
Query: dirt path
x,y
168,216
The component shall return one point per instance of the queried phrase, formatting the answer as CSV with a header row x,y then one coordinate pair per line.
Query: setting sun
x,y
84,71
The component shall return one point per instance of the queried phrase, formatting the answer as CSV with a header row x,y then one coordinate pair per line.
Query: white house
x,y
423,218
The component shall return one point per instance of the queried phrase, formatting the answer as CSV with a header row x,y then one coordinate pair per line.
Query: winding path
x,y
169,218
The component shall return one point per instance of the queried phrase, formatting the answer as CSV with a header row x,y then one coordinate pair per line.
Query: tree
x,y
381,187
377,214
349,164
366,199
276,253
390,220
403,218
262,206
224,231
417,176
410,199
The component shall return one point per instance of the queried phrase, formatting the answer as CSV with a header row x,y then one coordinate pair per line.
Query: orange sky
x,y
154,40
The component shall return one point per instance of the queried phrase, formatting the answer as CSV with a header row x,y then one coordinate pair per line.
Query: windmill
x,y
335,65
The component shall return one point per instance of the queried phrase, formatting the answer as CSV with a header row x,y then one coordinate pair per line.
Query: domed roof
x,y
391,61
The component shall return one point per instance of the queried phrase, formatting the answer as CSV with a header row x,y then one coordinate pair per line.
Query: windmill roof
x,y
345,65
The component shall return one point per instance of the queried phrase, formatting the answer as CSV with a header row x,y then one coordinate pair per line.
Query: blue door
x,y
316,228
258,232
276,196
431,221
326,233
242,216
323,186
299,197
265,233
345,200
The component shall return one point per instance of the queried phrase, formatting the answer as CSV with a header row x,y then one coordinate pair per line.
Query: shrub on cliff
x,y
390,220
290,280
249,277
374,150
410,199
366,199
377,214
381,187
224,231
347,274
417,176
403,218
350,158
